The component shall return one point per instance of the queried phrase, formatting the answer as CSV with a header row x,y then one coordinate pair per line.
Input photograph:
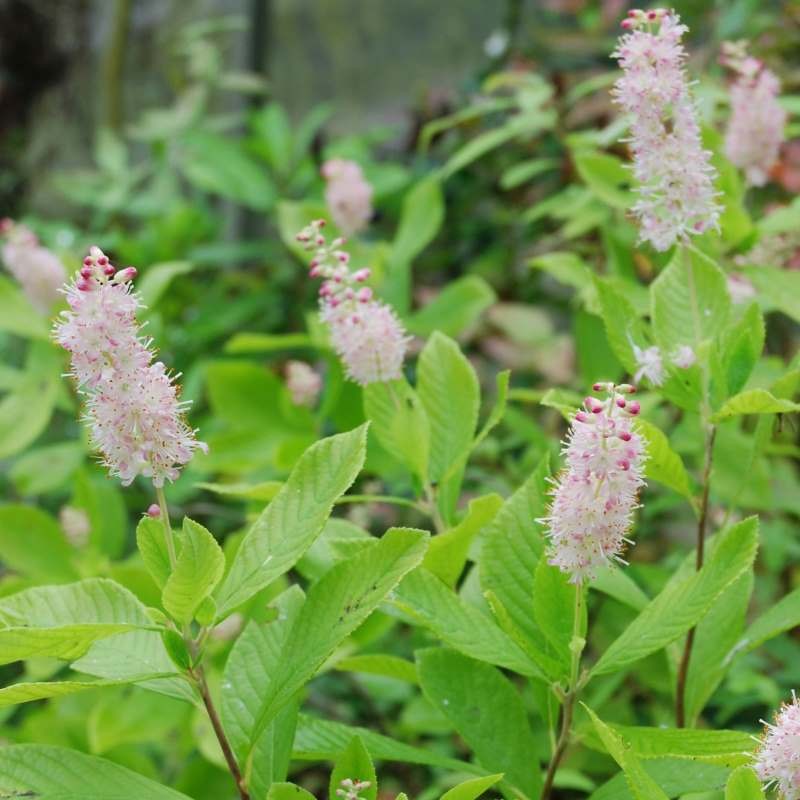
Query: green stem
x,y
162,504
570,698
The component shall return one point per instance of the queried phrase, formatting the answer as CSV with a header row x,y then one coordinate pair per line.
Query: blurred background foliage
x,y
186,138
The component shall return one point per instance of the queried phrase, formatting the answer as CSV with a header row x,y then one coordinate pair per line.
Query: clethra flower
x,y
596,494
351,790
756,126
740,288
38,271
348,195
778,757
674,175
76,525
303,383
684,357
365,333
649,364
132,407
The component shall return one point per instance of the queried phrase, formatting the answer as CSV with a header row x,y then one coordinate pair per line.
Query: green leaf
x,y
157,279
461,626
323,740
624,328
26,410
198,570
754,401
717,634
152,544
335,606
57,773
455,309
104,505
487,711
727,748
294,519
251,664
777,289
777,619
447,552
605,174
690,301
741,348
288,791
553,605
642,786
32,543
28,692
471,789
684,602
66,642
420,219
356,765
221,166
17,315
399,423
663,463
380,664
449,391
744,784
47,468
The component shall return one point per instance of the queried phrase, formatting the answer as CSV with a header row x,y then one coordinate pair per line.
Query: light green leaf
x,y
624,328
399,423
487,711
157,278
690,301
618,584
17,315
103,504
323,740
744,784
566,267
288,791
462,626
297,515
742,346
447,552
28,692
57,773
471,789
66,642
777,289
449,391
727,748
642,786
553,608
455,309
380,664
198,570
663,463
684,602
47,468
26,410
32,543
754,401
152,544
778,618
605,175
356,765
335,606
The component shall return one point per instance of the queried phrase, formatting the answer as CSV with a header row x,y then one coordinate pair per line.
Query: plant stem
x,y
162,504
570,698
683,669
219,731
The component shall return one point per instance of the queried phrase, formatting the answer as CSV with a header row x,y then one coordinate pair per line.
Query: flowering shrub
x,y
346,534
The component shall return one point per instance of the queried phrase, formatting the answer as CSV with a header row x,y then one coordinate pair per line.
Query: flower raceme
x,y
778,756
38,271
132,408
756,126
596,494
673,171
347,194
365,333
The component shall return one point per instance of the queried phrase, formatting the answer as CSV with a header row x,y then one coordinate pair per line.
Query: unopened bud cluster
x,y
596,494
347,194
673,172
756,126
778,756
38,271
365,333
351,790
132,407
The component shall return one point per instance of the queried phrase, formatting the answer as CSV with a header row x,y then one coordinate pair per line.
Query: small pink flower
x,y
132,408
596,494
303,382
348,195
740,288
756,126
365,333
778,756
38,271
649,364
675,178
